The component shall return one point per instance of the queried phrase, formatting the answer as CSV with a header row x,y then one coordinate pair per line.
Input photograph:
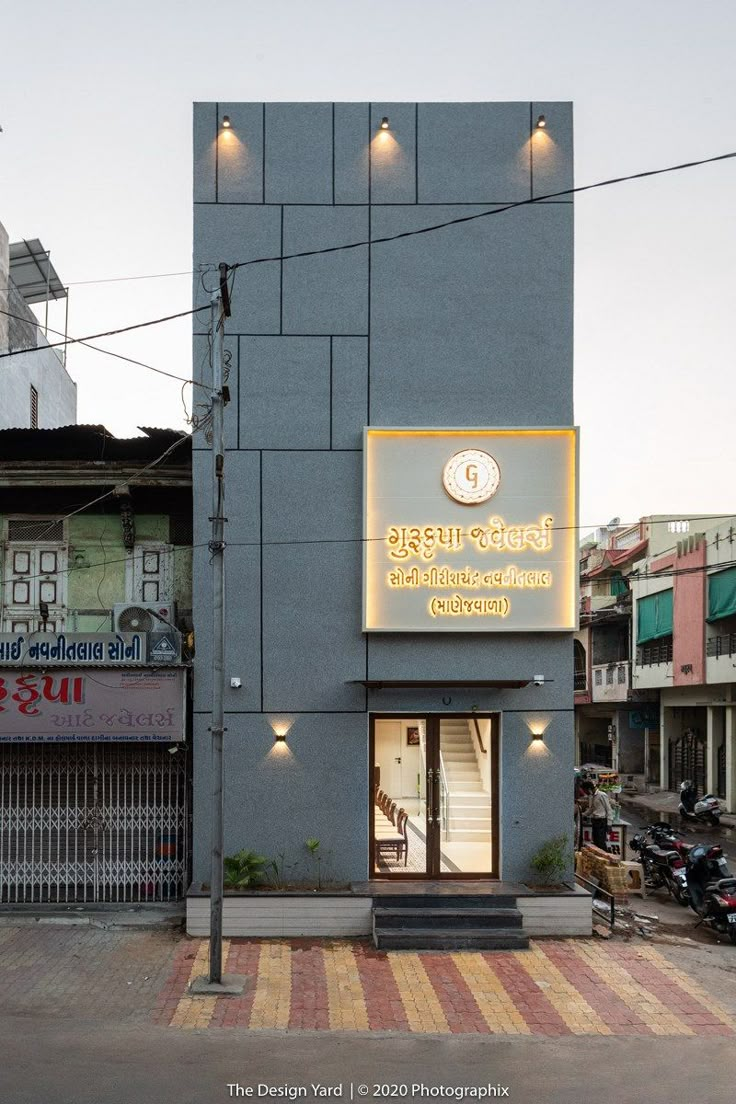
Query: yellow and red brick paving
x,y
556,988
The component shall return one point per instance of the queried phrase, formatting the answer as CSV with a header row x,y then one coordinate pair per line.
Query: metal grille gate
x,y
93,822
687,760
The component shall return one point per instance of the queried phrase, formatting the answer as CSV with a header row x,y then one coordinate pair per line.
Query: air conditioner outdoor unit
x,y
141,616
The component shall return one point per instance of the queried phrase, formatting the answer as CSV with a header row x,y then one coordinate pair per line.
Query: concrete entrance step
x,y
386,916
451,939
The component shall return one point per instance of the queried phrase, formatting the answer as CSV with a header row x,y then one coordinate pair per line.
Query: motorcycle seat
x,y
663,853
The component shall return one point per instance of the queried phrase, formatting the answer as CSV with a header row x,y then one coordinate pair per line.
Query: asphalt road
x,y
71,1062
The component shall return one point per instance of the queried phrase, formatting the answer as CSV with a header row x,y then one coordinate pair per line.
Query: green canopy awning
x,y
722,594
654,616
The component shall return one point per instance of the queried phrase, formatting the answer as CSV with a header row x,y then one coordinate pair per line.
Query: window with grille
x,y
35,529
34,577
609,676
599,678
34,407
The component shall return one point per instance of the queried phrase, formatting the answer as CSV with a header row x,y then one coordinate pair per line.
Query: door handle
x,y
397,759
436,797
430,801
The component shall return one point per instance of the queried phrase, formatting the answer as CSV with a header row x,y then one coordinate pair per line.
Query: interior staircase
x,y
444,922
469,804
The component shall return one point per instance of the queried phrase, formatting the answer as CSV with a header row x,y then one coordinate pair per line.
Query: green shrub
x,y
551,862
244,869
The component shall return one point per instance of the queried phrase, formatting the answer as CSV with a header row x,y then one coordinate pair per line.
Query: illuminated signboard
x,y
470,530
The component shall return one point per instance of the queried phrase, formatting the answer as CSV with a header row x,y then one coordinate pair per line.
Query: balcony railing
x,y
647,655
581,680
721,645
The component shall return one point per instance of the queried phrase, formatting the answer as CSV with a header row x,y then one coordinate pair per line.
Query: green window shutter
x,y
654,617
618,584
722,594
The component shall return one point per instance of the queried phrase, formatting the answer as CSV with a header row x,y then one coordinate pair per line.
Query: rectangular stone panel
x,y
352,139
552,149
275,796
284,392
393,153
312,644
490,304
204,149
312,496
242,580
232,233
240,154
325,294
298,143
349,391
473,152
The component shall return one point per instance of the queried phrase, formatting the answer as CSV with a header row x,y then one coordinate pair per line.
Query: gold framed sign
x,y
470,530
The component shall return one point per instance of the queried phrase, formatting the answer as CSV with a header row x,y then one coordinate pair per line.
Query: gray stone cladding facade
x,y
465,326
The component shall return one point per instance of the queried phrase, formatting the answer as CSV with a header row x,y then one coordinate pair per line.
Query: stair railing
x,y
444,801
477,733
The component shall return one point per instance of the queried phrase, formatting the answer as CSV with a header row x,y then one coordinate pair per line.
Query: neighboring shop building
x,y
684,625
401,599
615,725
94,774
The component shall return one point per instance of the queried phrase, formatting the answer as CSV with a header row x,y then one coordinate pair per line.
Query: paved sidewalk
x,y
558,987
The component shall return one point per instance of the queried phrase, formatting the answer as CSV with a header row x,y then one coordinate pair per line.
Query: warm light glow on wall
x,y
537,723
280,727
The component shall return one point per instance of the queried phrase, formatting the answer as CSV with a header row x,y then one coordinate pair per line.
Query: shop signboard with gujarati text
x,y
67,649
470,530
77,705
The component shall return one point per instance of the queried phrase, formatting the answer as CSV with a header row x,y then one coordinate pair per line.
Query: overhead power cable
x,y
484,214
108,333
93,502
109,352
651,576
426,229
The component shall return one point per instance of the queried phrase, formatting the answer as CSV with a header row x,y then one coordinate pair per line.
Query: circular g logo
x,y
471,476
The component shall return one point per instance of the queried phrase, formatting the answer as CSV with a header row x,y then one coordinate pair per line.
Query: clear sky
x,y
95,159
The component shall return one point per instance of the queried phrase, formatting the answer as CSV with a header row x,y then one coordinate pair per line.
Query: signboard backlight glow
x,y
470,530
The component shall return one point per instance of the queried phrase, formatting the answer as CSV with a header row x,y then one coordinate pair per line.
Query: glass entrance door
x,y
434,786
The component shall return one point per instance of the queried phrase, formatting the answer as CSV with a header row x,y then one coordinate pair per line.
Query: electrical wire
x,y
108,352
108,333
651,576
425,230
100,498
499,210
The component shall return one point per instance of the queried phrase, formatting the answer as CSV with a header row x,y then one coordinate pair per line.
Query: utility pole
x,y
216,981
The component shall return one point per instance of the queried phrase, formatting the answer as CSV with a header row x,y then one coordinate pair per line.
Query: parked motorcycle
x,y
707,810
663,865
712,889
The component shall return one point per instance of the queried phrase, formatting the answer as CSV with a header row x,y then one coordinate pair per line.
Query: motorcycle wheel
x,y
682,899
732,932
715,820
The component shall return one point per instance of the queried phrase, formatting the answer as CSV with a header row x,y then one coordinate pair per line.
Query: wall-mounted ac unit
x,y
141,616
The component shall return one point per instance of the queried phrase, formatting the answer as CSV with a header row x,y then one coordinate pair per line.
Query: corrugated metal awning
x,y
32,272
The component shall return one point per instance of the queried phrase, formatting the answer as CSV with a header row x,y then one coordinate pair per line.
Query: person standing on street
x,y
600,813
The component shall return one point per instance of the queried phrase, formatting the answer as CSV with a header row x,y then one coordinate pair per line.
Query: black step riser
x,y
428,941
451,920
457,904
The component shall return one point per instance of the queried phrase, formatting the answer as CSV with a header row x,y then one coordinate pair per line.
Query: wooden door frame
x,y
432,719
